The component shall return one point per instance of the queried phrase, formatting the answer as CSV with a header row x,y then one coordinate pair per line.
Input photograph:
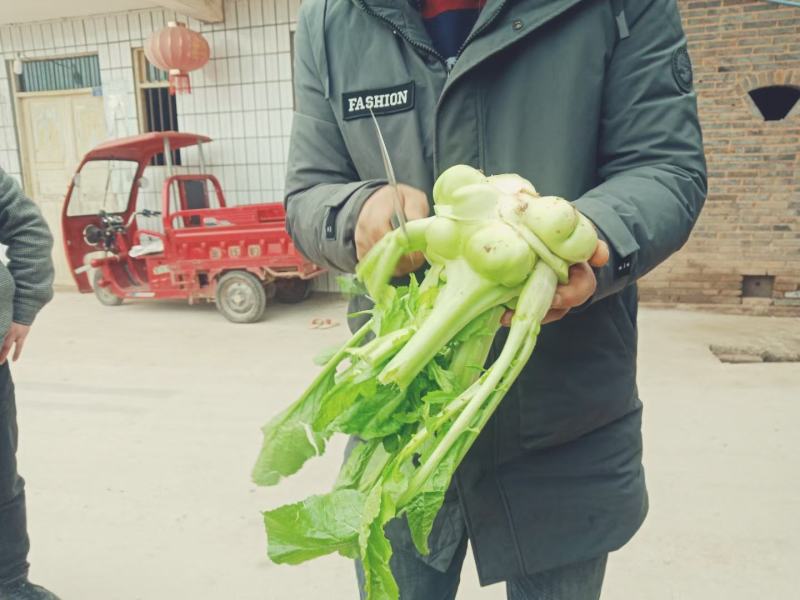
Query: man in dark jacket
x,y
591,100
25,286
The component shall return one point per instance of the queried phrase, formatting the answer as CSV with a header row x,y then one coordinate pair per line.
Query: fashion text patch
x,y
383,101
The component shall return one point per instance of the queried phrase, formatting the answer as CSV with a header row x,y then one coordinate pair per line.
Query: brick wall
x,y
751,221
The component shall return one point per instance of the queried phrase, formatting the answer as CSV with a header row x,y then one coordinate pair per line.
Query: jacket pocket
x,y
623,321
581,377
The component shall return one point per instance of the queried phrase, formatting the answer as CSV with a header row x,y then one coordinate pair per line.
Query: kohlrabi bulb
x,y
510,183
498,253
443,239
453,179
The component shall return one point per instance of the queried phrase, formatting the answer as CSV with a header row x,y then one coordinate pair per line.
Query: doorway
x,y
56,128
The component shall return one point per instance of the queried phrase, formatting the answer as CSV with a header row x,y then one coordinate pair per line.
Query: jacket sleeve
x,y
30,244
324,193
651,160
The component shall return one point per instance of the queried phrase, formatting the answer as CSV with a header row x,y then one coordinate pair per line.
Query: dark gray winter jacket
x,y
591,100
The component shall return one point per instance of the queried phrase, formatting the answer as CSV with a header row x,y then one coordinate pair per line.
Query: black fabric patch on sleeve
x,y
682,69
623,267
383,101
330,224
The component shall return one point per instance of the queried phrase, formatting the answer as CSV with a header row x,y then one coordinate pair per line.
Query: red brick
x,y
751,222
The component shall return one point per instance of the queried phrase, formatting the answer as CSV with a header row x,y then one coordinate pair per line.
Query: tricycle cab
x,y
183,243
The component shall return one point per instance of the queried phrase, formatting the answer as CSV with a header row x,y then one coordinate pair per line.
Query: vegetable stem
x,y
470,357
377,267
379,349
461,300
534,302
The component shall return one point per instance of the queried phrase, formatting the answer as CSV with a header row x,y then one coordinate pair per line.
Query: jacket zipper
x,y
474,33
399,31
431,51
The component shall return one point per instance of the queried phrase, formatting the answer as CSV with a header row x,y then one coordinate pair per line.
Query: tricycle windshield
x,y
102,185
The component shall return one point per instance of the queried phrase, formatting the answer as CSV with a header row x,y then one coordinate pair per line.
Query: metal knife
x,y
399,214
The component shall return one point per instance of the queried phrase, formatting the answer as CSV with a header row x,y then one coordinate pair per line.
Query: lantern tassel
x,y
179,84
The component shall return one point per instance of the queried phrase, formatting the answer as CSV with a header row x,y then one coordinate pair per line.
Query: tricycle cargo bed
x,y
236,256
253,235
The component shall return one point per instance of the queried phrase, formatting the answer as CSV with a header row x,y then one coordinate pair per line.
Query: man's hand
x,y
15,338
375,221
582,284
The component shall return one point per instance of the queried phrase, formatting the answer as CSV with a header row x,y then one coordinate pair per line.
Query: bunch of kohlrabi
x,y
411,384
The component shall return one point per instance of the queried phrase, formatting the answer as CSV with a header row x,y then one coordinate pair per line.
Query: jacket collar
x,y
496,19
403,15
501,24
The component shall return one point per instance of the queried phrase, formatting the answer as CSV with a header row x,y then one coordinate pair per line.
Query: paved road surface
x,y
139,425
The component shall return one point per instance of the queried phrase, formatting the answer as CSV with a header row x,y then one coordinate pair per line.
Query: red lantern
x,y
177,50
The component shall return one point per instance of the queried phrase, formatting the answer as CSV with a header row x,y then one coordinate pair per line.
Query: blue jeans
x,y
13,533
419,581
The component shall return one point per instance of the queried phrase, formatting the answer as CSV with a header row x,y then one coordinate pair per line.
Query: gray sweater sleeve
x,y
30,243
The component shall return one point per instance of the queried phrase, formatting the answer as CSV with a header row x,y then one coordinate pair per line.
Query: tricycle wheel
x,y
104,293
291,291
241,297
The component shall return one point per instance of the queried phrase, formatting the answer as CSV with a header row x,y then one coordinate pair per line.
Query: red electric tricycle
x,y
138,225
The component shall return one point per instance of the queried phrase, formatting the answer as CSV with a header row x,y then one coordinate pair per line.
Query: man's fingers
x,y
554,314
581,286
371,235
20,342
415,206
376,217
377,232
409,263
600,256
415,203
505,320
417,210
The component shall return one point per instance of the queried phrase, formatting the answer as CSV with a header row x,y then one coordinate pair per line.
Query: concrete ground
x,y
139,425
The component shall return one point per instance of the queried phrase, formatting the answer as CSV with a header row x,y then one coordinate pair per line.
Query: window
x,y
758,286
158,109
68,73
102,185
775,102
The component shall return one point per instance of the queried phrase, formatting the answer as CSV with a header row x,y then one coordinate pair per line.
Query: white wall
x,y
242,98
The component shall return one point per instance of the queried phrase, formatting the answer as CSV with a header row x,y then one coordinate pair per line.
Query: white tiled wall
x,y
9,155
242,99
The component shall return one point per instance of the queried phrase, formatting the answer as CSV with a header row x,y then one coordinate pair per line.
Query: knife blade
x,y
399,214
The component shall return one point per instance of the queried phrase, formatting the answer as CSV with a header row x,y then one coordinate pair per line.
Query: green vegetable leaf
x,y
324,356
350,286
421,511
363,467
373,416
350,386
420,391
289,440
443,378
376,551
315,527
